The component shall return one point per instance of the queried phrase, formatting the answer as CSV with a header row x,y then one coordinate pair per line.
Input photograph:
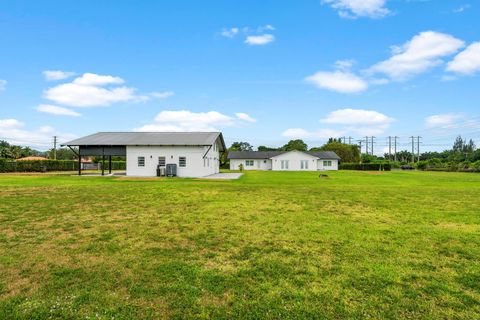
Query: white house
x,y
194,154
284,160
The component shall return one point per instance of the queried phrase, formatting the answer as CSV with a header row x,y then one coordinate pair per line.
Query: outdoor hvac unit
x,y
171,169
160,171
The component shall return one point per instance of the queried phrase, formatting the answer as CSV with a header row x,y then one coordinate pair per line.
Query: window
x,y
161,161
141,161
248,163
182,161
303,164
284,164
327,163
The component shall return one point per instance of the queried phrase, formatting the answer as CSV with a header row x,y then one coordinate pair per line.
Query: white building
x,y
194,154
284,160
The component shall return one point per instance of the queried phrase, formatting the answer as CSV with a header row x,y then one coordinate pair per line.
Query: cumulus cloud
x,y
230,33
162,95
56,110
3,84
14,132
260,39
93,90
359,8
55,75
340,81
185,120
423,52
245,117
359,121
461,8
466,62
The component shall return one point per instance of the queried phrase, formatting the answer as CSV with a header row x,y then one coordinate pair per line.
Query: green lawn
x,y
273,245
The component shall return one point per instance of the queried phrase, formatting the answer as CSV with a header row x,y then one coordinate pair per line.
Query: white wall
x,y
294,158
196,165
322,167
258,164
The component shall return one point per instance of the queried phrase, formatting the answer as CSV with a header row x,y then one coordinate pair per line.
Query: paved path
x,y
224,176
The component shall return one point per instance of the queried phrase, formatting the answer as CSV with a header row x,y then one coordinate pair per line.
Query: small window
x,y
284,164
141,161
161,161
248,163
182,161
327,163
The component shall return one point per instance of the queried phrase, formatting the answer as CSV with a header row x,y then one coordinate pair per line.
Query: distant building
x,y
284,160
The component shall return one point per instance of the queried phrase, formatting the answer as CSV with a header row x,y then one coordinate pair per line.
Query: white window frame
x,y
304,164
162,159
141,161
284,164
249,163
327,163
184,160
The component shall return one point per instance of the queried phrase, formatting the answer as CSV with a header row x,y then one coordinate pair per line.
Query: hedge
x,y
366,166
48,165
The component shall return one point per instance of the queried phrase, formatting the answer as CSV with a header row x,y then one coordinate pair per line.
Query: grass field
x,y
273,245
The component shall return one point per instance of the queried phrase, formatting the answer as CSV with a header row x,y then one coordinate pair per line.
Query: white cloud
x,y
356,117
89,90
3,84
299,133
14,132
185,120
229,33
461,8
466,62
92,79
339,81
260,39
245,117
359,8
162,95
60,111
54,75
423,52
443,120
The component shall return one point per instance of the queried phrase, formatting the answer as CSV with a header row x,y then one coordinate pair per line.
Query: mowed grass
x,y
274,245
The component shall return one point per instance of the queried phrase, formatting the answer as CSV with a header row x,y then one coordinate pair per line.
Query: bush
x,y
366,166
48,165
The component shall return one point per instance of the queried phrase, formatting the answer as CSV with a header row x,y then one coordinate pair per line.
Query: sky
x,y
263,72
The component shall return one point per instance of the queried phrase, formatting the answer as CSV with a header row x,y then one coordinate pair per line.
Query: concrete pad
x,y
224,176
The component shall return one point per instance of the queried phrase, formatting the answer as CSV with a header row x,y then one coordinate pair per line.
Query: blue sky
x,y
259,71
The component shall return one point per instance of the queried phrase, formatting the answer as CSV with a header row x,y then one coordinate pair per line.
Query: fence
x,y
7,165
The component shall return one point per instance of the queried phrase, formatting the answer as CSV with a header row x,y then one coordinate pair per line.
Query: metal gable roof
x,y
270,154
149,139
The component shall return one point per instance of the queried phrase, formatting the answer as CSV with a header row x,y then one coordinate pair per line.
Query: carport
x,y
98,150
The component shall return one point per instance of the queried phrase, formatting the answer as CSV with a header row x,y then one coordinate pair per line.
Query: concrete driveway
x,y
224,176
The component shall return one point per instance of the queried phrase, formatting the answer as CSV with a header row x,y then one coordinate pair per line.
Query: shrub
x,y
366,166
48,165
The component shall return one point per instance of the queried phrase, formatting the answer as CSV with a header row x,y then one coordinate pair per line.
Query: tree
x,y
63,154
295,145
265,148
347,152
240,146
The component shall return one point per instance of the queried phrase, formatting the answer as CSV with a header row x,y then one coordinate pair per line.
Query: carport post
x,y
109,164
103,165
79,164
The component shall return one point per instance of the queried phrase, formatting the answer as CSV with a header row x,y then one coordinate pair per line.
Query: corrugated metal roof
x,y
148,139
270,154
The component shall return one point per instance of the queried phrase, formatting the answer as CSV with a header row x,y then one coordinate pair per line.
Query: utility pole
x,y
372,144
349,140
54,147
395,148
389,148
366,145
413,148
344,140
360,145
418,148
